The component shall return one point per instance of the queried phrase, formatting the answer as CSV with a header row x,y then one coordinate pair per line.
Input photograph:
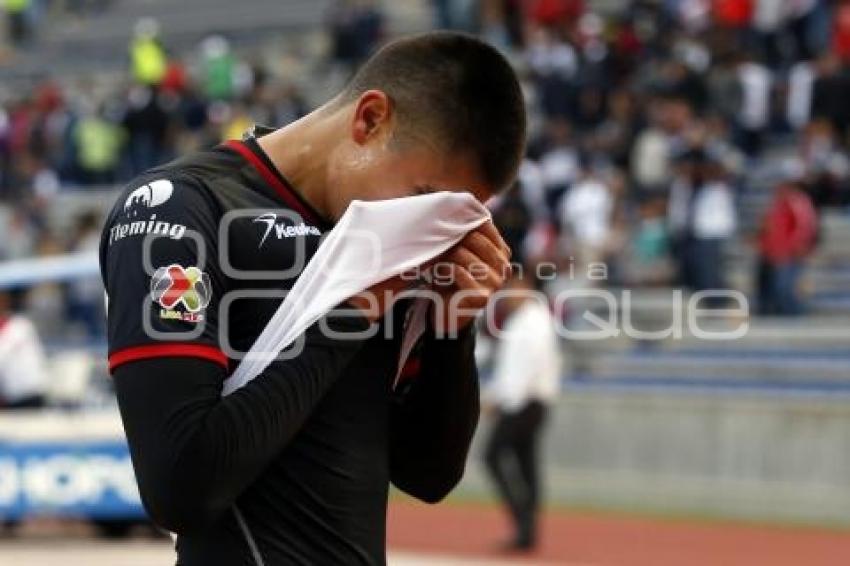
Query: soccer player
x,y
295,467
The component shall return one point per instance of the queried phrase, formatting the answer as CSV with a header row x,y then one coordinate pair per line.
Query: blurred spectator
x,y
769,21
512,217
20,234
42,178
98,144
559,164
554,63
85,296
831,90
18,18
655,144
219,68
788,235
702,218
23,377
532,189
753,116
356,27
826,164
148,61
557,13
841,31
800,92
733,14
524,384
146,122
586,216
46,303
649,247
615,136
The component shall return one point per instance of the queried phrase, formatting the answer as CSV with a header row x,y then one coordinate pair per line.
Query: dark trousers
x,y
777,288
511,458
701,266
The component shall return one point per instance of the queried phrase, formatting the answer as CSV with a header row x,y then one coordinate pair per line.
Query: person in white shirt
x,y
756,82
702,217
586,213
524,384
23,377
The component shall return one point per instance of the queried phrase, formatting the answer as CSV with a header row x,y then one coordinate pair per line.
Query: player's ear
x,y
372,116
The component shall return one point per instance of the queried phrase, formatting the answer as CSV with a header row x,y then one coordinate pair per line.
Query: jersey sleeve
x,y
159,262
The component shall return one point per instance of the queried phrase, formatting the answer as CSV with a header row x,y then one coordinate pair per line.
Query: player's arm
x,y
432,425
193,451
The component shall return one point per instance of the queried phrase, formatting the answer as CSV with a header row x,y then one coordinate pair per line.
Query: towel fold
x,y
372,242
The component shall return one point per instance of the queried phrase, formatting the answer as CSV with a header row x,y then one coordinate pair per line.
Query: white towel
x,y
373,241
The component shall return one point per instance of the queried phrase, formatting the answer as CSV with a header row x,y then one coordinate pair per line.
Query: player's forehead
x,y
432,171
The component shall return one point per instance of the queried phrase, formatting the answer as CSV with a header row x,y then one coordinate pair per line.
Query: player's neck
x,y
299,151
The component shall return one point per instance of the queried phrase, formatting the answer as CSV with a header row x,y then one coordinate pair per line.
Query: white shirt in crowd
x,y
548,56
651,158
528,361
770,15
801,80
533,188
559,167
586,209
713,214
22,363
756,82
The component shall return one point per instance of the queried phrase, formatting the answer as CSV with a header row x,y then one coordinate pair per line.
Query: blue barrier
x,y
92,480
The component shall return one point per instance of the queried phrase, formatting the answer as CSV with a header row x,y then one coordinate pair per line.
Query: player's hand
x,y
467,276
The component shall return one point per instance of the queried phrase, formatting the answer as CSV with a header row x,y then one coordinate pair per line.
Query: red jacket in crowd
x,y
841,31
790,226
732,13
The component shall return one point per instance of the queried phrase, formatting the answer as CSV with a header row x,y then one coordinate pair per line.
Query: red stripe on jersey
x,y
282,189
171,349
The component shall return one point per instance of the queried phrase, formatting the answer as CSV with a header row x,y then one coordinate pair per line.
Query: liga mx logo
x,y
175,286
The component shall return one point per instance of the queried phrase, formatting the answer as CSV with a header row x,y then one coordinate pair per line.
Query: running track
x,y
452,534
597,539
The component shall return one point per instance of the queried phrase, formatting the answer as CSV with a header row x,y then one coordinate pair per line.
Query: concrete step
x,y
97,44
830,302
755,364
818,332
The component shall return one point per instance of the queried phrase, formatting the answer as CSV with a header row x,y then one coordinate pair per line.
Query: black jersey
x,y
294,467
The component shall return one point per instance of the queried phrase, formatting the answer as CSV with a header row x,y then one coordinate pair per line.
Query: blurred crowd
x,y
97,133
651,122
57,136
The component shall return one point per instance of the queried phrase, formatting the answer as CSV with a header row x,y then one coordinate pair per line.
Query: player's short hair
x,y
457,89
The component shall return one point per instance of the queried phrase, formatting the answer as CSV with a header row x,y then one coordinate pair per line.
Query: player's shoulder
x,y
210,178
160,202
165,201
188,184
